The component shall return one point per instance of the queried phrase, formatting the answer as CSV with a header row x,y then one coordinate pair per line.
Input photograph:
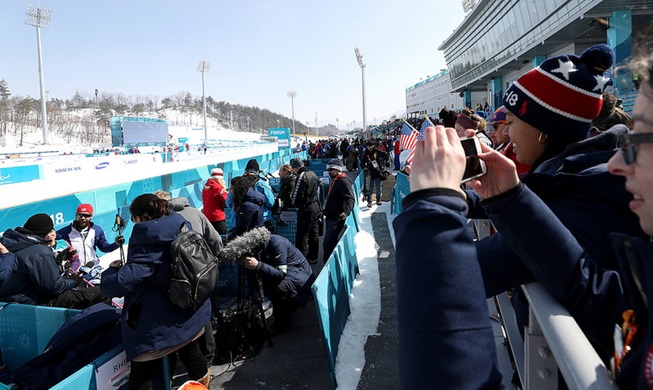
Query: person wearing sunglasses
x,y
448,335
86,237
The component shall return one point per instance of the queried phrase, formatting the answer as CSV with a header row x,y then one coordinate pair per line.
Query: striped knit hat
x,y
562,95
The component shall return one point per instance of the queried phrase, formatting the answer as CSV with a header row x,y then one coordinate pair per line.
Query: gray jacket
x,y
198,221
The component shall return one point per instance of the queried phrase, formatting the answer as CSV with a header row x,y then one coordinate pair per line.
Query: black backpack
x,y
194,270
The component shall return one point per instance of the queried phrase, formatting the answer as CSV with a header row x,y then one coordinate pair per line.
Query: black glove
x,y
120,240
66,254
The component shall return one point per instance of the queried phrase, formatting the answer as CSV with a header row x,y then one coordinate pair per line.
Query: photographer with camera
x,y
86,237
285,273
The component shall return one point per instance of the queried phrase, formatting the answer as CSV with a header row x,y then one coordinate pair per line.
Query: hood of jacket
x,y
157,232
178,204
20,238
582,167
254,196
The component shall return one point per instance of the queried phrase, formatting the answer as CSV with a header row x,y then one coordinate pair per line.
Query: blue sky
x,y
258,50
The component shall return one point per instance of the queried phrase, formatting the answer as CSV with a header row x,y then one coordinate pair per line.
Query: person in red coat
x,y
214,197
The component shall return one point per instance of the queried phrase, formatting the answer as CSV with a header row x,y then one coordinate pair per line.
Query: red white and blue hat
x,y
563,95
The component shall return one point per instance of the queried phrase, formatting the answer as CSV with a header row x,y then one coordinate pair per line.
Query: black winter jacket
x,y
35,279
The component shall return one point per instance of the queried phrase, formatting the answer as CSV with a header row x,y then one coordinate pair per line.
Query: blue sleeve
x,y
45,275
119,282
266,190
593,296
7,262
229,202
101,241
476,211
445,335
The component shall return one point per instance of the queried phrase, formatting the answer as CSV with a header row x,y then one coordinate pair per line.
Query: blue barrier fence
x,y
400,191
334,283
114,199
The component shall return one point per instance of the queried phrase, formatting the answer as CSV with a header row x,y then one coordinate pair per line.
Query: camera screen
x,y
473,165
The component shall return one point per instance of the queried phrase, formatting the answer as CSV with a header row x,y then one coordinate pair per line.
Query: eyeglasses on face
x,y
87,216
629,145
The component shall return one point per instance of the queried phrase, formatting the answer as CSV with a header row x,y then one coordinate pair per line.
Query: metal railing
x,y
553,342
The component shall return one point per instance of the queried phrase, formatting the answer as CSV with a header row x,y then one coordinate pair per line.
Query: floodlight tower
x,y
359,57
203,67
40,18
292,95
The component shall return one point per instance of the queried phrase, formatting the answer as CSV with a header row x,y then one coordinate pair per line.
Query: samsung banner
x,y
282,134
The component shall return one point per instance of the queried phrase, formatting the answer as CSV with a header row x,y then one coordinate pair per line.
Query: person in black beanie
x,y
338,205
35,279
304,197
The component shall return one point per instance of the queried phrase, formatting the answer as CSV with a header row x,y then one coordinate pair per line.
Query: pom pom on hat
x,y
84,208
296,163
39,224
562,96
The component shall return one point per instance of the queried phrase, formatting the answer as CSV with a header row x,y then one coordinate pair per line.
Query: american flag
x,y
427,123
408,136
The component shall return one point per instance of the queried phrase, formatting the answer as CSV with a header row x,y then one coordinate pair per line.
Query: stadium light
x,y
359,57
203,67
292,95
40,18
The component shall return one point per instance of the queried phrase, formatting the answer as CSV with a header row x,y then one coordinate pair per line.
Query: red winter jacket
x,y
214,197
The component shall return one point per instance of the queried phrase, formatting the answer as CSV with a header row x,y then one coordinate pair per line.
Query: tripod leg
x,y
262,311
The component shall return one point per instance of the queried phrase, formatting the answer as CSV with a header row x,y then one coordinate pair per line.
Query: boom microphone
x,y
244,244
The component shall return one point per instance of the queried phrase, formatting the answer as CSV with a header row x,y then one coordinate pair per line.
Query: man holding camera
x,y
85,237
339,203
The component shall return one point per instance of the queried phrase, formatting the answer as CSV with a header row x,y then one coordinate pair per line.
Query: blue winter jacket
x,y
445,335
264,188
149,320
444,330
588,200
7,263
35,278
250,212
298,275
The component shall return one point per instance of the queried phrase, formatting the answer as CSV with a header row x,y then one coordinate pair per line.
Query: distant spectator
x,y
338,205
305,198
214,199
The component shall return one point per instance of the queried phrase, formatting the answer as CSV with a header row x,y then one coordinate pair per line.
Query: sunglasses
x,y
628,143
87,216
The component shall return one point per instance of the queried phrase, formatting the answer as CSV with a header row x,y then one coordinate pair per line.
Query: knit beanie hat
x,y
334,164
499,116
252,165
217,172
39,224
562,95
296,163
